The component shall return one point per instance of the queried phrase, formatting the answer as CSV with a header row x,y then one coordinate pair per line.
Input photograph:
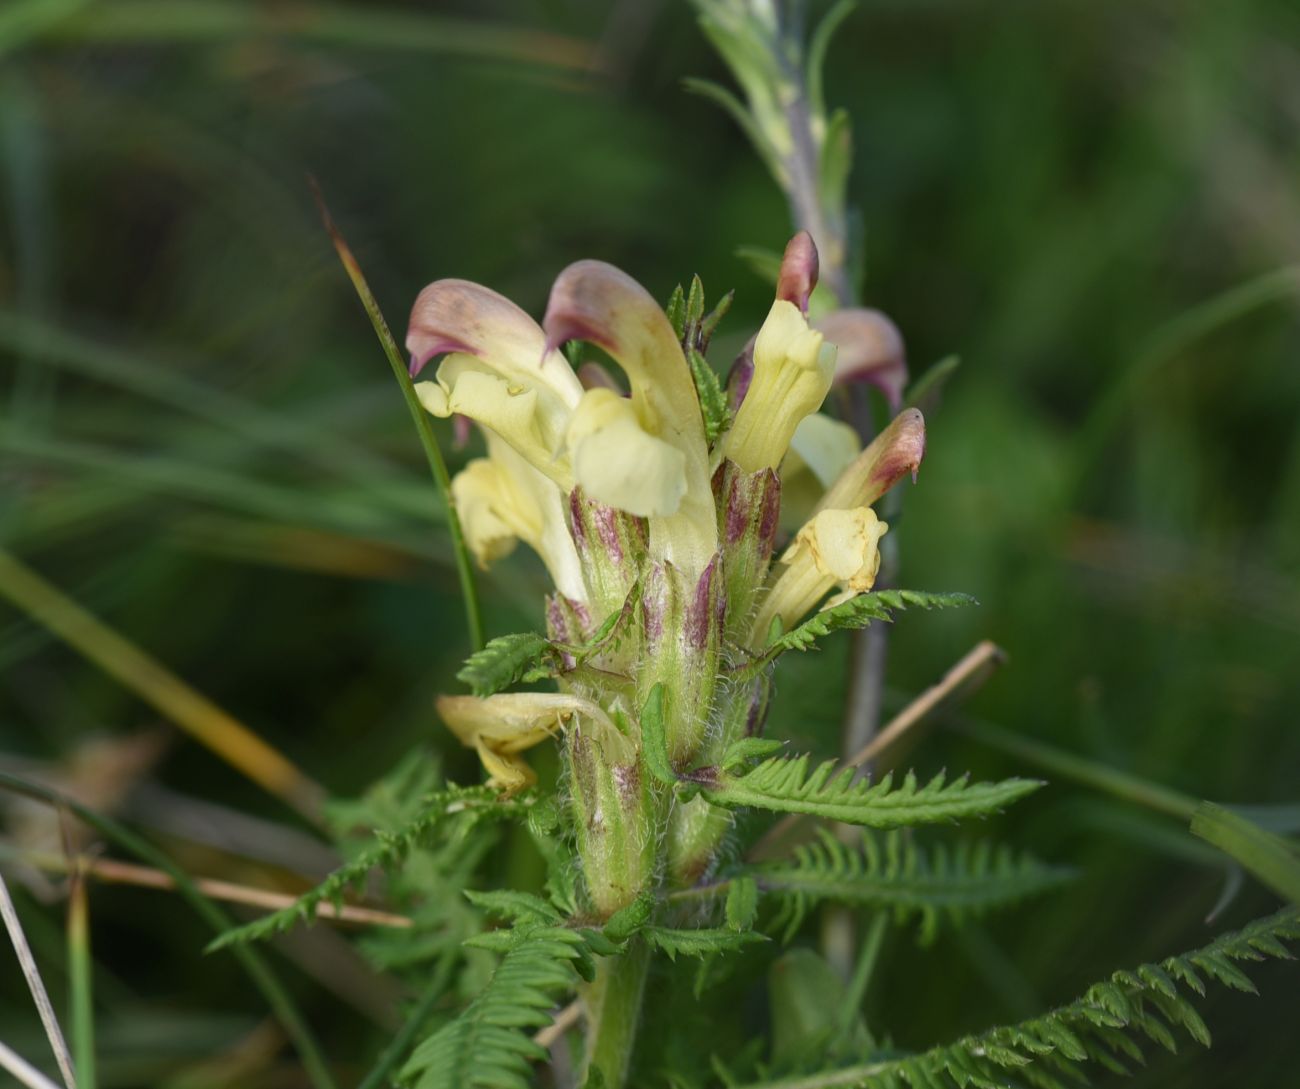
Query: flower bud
x,y
611,545
613,818
681,626
798,275
749,506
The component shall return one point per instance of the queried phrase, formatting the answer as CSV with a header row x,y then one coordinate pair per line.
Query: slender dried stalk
x,y
37,986
114,872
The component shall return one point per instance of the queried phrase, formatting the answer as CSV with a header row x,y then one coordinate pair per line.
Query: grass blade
x,y
80,983
159,687
1270,858
432,451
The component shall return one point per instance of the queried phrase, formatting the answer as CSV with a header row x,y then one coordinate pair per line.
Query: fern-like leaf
x,y
892,873
1051,1050
525,657
506,660
785,785
466,803
857,612
489,1046
699,942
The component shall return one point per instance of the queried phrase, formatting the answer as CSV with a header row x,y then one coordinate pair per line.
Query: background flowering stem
x,y
423,424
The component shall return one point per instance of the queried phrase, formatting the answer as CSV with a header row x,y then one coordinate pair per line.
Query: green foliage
x,y
523,657
742,902
785,785
1269,857
893,873
699,942
1049,1052
488,1046
857,612
695,329
654,741
713,399
466,805
526,657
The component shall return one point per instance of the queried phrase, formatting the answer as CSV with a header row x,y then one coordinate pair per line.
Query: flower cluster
x,y
614,484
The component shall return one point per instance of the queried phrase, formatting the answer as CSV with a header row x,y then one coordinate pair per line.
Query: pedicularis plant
x,y
694,531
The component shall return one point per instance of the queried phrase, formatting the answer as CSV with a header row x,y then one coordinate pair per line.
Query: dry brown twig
x,y
112,871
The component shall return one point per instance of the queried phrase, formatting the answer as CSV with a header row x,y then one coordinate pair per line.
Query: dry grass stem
x,y
21,1069
564,1020
112,871
37,986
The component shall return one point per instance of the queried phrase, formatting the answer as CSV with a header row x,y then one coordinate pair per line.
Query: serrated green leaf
x,y
896,874
712,397
787,785
676,311
507,660
517,907
709,323
463,803
490,1046
745,749
1047,1050
694,303
698,943
857,612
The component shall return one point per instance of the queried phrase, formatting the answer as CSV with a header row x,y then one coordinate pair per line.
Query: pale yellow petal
x,y
793,368
821,445
597,302
501,726
618,463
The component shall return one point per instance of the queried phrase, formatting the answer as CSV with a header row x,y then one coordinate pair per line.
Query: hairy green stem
x,y
613,1005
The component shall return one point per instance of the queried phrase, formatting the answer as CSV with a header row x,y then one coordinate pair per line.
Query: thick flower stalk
x,y
668,546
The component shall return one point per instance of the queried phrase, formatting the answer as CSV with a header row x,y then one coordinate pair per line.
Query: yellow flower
x,y
837,547
501,499
645,455
793,368
620,464
820,450
784,375
596,302
500,727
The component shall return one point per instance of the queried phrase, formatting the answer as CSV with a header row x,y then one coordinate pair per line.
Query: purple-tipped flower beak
x,y
798,275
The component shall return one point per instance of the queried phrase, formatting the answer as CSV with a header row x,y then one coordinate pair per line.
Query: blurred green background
x,y
1093,204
